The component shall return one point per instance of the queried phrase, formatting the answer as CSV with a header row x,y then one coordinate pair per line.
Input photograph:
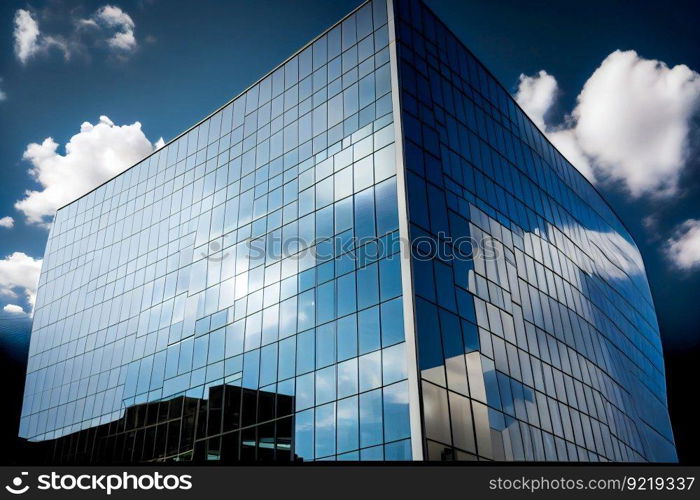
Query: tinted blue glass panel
x,y
542,243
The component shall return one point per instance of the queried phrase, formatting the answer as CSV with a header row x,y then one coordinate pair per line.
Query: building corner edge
x,y
414,399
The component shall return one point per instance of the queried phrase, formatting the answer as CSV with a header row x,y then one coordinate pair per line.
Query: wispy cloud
x,y
117,25
108,27
29,41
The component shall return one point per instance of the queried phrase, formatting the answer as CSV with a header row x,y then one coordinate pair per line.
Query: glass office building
x,y
370,254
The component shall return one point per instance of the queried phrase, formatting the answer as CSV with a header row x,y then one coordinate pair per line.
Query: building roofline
x,y
237,96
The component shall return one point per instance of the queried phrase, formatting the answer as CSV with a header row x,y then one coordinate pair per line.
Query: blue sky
x,y
166,64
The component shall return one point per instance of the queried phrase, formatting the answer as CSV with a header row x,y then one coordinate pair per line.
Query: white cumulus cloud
x,y
95,154
683,248
7,222
19,275
13,309
631,123
536,95
29,41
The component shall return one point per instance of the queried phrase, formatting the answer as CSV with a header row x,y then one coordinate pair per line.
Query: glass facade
x,y
244,292
544,345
